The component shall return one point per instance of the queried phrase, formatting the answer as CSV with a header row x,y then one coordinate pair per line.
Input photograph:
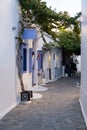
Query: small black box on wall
x,y
25,96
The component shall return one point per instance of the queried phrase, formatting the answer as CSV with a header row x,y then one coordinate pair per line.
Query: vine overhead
x,y
51,22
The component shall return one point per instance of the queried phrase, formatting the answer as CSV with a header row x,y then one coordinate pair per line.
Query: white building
x,y
79,63
52,64
83,98
9,96
52,60
9,82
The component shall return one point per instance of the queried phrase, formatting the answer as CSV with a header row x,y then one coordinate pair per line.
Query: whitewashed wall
x,y
26,76
83,98
8,20
47,37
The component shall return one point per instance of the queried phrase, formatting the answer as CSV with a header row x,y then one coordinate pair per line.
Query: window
x,y
24,68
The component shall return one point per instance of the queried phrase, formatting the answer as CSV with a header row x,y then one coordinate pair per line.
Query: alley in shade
x,y
57,109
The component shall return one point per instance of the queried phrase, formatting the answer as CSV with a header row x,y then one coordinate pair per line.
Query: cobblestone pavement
x,y
58,109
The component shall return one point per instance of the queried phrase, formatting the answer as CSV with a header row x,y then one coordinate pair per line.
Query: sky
x,y
71,6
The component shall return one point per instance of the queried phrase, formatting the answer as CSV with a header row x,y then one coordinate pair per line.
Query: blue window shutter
x,y
39,64
40,60
24,59
30,60
23,52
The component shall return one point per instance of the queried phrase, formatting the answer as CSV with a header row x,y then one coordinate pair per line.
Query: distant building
x,y
79,63
52,64
52,59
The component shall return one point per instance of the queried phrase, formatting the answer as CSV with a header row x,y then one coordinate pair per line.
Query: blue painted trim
x,y
29,34
24,57
40,59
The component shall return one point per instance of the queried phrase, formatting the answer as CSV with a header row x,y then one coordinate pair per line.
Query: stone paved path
x,y
58,109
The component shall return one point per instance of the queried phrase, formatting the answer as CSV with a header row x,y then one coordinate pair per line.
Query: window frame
x,y
24,70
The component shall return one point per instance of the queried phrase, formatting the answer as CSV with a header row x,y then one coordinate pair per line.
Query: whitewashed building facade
x,y
9,81
8,32
52,60
83,97
52,64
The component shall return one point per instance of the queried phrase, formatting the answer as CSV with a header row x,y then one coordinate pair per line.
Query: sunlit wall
x,y
8,31
83,98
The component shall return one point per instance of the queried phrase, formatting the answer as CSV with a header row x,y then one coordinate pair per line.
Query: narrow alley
x,y
58,109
